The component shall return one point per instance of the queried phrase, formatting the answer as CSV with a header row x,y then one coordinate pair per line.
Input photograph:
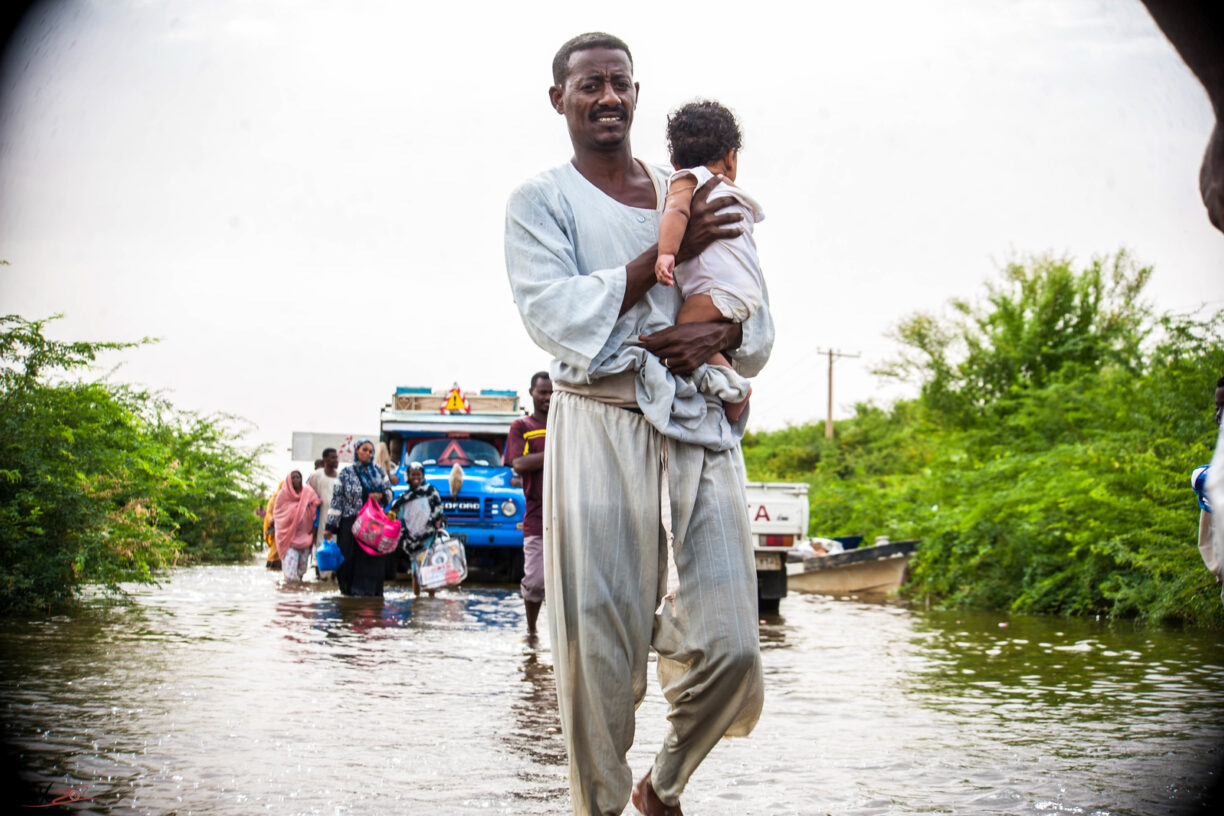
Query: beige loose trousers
x,y
607,473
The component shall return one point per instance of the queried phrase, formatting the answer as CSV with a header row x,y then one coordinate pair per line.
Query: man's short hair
x,y
536,377
702,132
318,464
327,451
1220,383
585,42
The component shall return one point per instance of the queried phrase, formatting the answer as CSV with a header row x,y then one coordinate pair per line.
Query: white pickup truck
x,y
778,513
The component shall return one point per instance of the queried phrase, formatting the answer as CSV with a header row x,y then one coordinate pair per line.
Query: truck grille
x,y
461,507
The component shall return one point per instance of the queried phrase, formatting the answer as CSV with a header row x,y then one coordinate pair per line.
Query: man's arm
x,y
707,223
686,346
568,314
528,462
515,444
516,456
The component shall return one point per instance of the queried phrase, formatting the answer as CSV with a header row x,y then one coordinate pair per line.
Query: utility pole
x,y
829,417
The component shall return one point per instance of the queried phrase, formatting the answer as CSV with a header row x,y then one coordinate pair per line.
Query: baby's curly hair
x,y
701,132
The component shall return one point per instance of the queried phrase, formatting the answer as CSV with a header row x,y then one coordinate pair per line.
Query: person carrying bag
x,y
362,485
420,509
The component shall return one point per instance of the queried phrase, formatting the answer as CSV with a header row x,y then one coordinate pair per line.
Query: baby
x,y
724,282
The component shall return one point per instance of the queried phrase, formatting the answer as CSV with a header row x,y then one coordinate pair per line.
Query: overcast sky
x,y
305,200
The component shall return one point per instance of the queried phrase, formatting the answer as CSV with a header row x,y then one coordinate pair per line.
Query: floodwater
x,y
222,692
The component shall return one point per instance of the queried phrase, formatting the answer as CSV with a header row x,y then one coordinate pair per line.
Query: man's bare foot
x,y
733,410
648,802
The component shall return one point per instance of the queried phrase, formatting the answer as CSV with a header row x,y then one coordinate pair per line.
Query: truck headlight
x,y
508,508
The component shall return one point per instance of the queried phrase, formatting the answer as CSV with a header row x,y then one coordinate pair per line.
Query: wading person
x,y
360,573
636,455
525,453
273,561
420,509
294,519
1211,534
323,481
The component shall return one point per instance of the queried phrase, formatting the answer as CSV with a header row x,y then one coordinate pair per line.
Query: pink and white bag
x,y
375,532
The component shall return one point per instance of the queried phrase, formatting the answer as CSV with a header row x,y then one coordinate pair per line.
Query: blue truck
x,y
459,437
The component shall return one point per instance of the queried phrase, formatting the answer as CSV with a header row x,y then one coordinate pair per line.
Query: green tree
x,y
104,483
1042,320
1045,463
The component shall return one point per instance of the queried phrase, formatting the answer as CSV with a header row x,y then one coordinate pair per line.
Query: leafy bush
x,y
1045,463
104,483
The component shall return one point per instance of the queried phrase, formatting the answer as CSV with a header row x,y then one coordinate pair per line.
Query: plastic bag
x,y
442,563
375,532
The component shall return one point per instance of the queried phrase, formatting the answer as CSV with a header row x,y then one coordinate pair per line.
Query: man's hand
x,y
664,267
706,224
682,348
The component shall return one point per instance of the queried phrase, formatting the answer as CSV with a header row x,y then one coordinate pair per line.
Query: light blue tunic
x,y
567,244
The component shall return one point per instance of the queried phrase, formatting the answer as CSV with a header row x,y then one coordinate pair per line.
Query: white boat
x,y
874,570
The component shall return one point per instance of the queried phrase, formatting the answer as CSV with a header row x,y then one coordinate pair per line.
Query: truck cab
x,y
459,437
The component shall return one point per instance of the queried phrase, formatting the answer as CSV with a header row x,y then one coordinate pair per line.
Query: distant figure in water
x,y
323,482
273,561
1211,529
524,453
294,516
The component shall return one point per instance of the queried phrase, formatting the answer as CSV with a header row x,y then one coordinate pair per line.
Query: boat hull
x,y
865,571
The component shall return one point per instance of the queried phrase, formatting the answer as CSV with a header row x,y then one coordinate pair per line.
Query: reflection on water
x,y
222,692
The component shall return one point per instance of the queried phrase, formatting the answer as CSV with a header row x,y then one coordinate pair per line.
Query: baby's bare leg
x,y
701,309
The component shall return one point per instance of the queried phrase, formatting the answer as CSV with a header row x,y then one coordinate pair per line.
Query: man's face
x,y
1219,404
331,460
598,98
541,395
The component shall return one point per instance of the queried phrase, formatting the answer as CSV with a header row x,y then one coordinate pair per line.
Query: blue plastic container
x,y
328,556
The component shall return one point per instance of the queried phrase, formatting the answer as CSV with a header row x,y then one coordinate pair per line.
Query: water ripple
x,y
221,692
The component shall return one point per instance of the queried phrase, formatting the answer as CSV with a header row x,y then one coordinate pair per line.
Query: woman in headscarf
x,y
420,509
360,573
293,519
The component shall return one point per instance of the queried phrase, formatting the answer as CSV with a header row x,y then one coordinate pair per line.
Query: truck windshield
x,y
449,451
